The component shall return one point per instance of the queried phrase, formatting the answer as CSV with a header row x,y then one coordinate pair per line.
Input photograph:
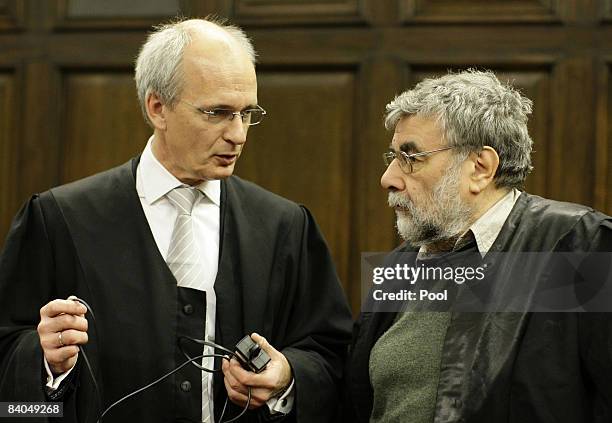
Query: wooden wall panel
x,y
603,147
271,12
572,168
12,14
102,126
473,11
94,14
8,140
303,150
534,84
605,155
605,9
38,147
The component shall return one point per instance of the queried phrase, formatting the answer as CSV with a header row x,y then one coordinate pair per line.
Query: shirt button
x,y
185,386
188,309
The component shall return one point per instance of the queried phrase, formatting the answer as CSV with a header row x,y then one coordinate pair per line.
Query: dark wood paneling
x,y
303,149
8,139
603,146
534,84
94,14
38,153
606,10
120,8
12,14
571,173
284,12
102,126
605,151
475,11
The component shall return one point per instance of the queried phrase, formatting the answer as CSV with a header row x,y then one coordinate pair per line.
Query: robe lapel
x,y
228,319
479,348
246,266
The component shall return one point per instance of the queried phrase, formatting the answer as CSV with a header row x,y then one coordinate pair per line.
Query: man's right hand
x,y
65,317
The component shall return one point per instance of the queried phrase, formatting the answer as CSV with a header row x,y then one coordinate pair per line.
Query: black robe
x,y
91,239
516,367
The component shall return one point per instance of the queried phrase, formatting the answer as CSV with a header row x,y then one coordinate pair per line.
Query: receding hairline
x,y
206,31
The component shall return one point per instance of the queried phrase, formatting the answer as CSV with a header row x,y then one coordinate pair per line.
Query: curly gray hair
x,y
158,65
474,109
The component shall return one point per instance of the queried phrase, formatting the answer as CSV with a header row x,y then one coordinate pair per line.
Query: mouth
x,y
401,211
226,159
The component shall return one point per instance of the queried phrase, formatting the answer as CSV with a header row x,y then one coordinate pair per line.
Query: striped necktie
x,y
184,261
183,255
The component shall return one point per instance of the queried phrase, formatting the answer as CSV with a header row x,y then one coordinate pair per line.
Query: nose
x,y
235,131
394,178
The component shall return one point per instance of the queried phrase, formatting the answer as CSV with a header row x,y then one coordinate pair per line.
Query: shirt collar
x,y
154,181
489,225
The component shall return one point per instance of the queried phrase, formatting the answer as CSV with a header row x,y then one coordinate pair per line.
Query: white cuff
x,y
54,383
284,403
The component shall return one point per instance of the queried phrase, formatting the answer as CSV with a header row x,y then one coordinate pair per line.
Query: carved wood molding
x,y
279,12
479,11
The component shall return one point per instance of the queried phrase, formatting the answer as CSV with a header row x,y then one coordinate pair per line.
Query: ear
x,y
156,111
485,163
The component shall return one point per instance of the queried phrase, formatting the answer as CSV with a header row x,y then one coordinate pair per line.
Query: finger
x,y
265,345
63,322
59,356
57,307
225,366
62,367
78,301
277,373
231,380
260,396
241,375
73,337
51,341
266,379
236,397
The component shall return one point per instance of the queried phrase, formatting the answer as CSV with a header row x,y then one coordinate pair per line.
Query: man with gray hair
x,y
170,251
459,155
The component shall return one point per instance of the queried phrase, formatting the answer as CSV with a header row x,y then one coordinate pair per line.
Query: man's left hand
x,y
274,379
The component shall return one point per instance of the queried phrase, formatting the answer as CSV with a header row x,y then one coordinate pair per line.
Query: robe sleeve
x,y
27,282
595,328
24,263
319,324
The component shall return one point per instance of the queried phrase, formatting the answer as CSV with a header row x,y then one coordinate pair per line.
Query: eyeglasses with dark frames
x,y
407,161
249,117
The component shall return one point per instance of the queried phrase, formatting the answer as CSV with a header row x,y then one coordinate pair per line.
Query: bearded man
x,y
460,154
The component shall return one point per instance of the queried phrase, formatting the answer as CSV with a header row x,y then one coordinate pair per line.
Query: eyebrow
x,y
409,147
228,107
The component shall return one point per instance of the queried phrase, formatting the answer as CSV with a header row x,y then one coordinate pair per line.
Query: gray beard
x,y
442,216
